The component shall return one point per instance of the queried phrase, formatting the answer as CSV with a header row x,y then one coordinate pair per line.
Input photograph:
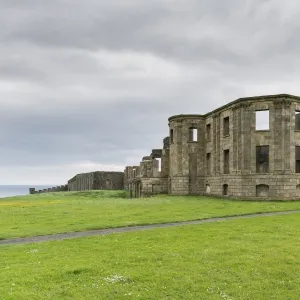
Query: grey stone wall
x,y
99,180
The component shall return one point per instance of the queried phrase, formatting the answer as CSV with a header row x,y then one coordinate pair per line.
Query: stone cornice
x,y
242,102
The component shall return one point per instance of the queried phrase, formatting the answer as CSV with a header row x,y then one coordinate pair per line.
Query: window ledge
x,y
263,173
263,130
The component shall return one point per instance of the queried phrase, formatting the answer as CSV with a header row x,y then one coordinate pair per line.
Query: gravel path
x,y
71,235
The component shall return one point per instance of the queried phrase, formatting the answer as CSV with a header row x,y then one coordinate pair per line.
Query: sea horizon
x,y
11,190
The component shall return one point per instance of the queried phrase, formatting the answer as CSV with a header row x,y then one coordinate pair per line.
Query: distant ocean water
x,y
19,190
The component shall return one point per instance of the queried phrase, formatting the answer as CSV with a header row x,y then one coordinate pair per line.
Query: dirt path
x,y
71,235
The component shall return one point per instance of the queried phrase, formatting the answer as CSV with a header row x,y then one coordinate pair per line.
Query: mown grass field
x,y
66,212
255,258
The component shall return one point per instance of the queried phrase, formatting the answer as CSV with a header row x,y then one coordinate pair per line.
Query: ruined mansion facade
x,y
249,148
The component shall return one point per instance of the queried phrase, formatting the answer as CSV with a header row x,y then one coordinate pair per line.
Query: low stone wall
x,y
60,188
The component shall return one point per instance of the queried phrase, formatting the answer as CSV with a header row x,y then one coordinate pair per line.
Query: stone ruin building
x,y
249,148
97,181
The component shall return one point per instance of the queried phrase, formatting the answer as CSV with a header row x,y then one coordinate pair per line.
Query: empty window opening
x,y
108,183
297,120
262,159
226,126
193,132
207,189
159,164
297,158
208,163
226,161
134,173
225,189
262,190
208,131
262,119
298,187
171,136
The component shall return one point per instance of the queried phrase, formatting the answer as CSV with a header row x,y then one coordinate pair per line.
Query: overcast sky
x,y
89,85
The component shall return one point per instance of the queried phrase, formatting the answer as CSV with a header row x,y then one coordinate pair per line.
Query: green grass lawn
x,y
65,212
238,259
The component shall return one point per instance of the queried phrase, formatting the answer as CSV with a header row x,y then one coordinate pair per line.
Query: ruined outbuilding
x,y
99,180
249,148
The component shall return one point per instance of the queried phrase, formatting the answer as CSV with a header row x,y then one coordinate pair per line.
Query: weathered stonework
x,y
222,153
97,181
151,176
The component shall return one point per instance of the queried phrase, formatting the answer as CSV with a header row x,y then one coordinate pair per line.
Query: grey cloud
x,y
96,80
158,27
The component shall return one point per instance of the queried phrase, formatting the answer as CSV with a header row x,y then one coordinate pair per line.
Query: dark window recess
x,y
208,130
193,134
226,161
297,120
226,126
262,159
208,163
171,136
225,189
297,150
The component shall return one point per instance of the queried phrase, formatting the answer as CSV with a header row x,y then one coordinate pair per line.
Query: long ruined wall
x,y
60,188
99,180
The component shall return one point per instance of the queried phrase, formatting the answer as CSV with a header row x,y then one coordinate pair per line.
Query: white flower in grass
x,y
115,279
32,251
